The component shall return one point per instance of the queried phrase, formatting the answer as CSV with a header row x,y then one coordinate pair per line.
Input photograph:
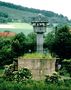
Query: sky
x,y
57,6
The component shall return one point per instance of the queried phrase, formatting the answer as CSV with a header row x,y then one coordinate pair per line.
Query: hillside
x,y
14,13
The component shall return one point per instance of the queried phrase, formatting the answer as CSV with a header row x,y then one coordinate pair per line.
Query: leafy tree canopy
x,y
60,43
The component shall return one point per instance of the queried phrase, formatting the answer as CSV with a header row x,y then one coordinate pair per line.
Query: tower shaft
x,y
40,43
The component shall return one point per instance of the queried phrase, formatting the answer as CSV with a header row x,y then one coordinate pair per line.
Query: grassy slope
x,y
21,27
18,27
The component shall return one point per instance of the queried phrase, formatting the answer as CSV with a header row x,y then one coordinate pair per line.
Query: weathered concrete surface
x,y
40,43
38,67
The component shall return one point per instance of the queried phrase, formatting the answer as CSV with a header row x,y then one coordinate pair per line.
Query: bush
x,y
22,75
8,72
52,79
19,76
64,72
67,65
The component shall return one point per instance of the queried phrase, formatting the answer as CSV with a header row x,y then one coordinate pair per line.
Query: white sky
x,y
58,6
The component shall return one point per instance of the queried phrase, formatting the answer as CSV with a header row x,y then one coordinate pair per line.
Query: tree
x,y
61,43
19,45
6,56
49,40
31,42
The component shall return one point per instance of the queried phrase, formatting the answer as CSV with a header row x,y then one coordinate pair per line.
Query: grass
x,y
33,85
20,27
37,56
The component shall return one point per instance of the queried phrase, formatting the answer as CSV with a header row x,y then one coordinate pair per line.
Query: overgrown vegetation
x,y
13,47
66,65
21,80
52,84
38,56
58,43
21,75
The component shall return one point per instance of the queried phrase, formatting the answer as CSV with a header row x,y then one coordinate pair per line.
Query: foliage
x,y
28,13
60,43
49,40
4,17
8,72
63,72
31,42
11,48
2,14
22,75
31,37
52,79
15,46
34,85
18,76
1,71
18,45
5,51
67,65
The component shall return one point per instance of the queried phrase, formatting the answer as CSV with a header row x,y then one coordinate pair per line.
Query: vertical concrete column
x,y
40,43
39,25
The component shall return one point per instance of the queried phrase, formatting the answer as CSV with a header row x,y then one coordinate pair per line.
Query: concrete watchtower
x,y
39,25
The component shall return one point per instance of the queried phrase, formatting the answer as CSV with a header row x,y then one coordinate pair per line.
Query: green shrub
x,y
52,79
8,72
20,75
64,72
67,65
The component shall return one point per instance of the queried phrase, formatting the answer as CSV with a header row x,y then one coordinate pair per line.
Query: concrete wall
x,y
38,67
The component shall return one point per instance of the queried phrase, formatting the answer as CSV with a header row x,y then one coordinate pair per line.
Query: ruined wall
x,y
38,67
